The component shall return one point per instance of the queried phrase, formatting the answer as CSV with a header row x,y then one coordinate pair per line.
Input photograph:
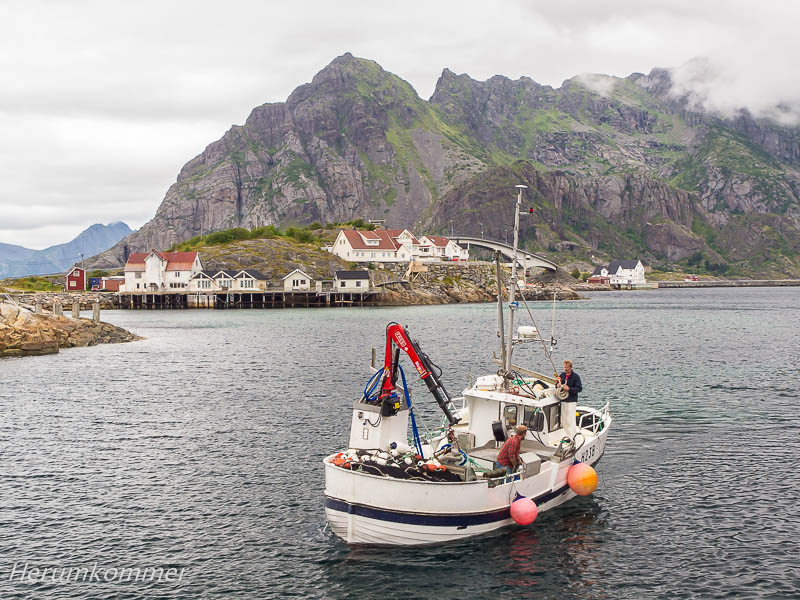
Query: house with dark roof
x,y
223,280
351,281
599,275
156,271
620,272
250,280
202,281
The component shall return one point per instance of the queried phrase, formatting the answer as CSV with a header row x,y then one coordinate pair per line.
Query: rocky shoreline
x,y
442,283
24,333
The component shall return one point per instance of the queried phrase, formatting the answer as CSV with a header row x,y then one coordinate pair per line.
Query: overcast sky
x,y
101,103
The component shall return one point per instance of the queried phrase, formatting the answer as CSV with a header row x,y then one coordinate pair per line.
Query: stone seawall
x,y
23,333
108,300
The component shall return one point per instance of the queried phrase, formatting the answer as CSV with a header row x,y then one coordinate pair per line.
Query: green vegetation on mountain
x,y
617,167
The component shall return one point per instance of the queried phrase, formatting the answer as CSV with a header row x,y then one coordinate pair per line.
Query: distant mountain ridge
x,y
616,168
17,261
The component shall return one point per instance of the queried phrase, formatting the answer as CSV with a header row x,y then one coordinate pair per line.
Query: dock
x,y
178,300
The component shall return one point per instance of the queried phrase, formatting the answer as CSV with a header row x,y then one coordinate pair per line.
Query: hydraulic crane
x,y
396,335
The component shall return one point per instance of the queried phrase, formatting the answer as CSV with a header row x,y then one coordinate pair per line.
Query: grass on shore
x,y
30,284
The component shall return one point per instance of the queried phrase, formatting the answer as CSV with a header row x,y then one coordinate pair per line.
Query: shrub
x,y
576,273
695,259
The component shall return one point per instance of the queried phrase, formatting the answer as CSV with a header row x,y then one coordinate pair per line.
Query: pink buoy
x,y
582,479
524,511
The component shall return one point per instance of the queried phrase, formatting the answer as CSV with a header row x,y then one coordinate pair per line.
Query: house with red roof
x,y
379,246
443,248
156,271
394,245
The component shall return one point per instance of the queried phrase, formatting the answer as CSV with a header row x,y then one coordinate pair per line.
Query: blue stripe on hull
x,y
429,520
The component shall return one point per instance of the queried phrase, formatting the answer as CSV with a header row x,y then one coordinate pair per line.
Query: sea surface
x,y
199,449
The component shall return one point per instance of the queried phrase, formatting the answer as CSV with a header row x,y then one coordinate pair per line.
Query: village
x,y
165,271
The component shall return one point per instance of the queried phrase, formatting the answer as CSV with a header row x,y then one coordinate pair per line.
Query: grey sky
x,y
101,103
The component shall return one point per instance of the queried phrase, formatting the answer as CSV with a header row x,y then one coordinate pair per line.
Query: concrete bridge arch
x,y
525,259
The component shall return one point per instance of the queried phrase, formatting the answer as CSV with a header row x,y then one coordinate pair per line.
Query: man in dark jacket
x,y
570,382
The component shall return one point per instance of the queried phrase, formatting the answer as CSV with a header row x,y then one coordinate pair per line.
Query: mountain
x,y
17,261
617,167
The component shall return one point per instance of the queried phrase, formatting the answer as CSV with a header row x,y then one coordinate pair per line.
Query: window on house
x,y
342,284
73,283
138,275
137,286
358,284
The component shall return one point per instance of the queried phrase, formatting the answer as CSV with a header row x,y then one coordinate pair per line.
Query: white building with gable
x,y
626,272
393,245
160,271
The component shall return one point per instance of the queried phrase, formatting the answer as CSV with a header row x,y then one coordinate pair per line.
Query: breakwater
x,y
24,333
107,300
730,283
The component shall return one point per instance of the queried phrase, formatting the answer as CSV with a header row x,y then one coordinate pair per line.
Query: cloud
x,y
101,103
600,84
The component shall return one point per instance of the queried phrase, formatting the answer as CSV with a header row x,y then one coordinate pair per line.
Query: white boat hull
x,y
369,509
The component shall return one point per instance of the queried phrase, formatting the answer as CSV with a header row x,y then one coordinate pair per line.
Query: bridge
x,y
526,259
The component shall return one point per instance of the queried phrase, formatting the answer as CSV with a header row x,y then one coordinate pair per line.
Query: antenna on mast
x,y
512,286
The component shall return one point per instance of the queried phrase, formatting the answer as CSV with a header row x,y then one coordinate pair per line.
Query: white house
x,y
297,280
249,280
202,282
160,271
599,275
351,281
223,280
626,272
443,248
379,246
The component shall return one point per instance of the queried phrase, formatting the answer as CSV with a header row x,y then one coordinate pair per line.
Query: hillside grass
x,y
309,234
31,284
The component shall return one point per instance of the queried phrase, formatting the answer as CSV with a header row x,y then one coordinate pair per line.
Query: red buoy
x,y
524,511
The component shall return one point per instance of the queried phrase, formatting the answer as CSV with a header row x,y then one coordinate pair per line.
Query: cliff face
x,y
616,166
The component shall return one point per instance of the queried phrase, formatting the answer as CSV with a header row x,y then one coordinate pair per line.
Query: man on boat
x,y
509,453
570,382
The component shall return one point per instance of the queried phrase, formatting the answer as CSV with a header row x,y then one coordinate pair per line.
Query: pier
x,y
259,299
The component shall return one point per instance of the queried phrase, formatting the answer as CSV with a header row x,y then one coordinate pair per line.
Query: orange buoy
x,y
582,479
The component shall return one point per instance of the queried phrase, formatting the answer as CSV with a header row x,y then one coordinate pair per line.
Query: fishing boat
x,y
396,485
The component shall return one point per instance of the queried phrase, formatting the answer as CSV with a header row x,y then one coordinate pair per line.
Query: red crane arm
x,y
397,336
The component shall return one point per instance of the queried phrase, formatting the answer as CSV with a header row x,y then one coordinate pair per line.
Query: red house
x,y
76,280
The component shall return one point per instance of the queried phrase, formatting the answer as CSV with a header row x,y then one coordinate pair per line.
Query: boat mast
x,y
512,286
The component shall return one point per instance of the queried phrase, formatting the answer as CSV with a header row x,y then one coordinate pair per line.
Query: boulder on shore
x,y
23,333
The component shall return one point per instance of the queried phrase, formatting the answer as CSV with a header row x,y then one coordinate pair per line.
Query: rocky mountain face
x,y
617,167
17,261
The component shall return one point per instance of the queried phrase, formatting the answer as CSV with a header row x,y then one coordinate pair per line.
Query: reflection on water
x,y
200,448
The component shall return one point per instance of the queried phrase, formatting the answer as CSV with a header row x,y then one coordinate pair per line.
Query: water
x,y
200,448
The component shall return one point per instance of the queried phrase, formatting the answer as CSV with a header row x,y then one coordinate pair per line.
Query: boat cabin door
x,y
531,416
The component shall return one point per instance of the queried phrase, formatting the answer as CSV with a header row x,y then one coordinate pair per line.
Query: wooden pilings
x,y
233,300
